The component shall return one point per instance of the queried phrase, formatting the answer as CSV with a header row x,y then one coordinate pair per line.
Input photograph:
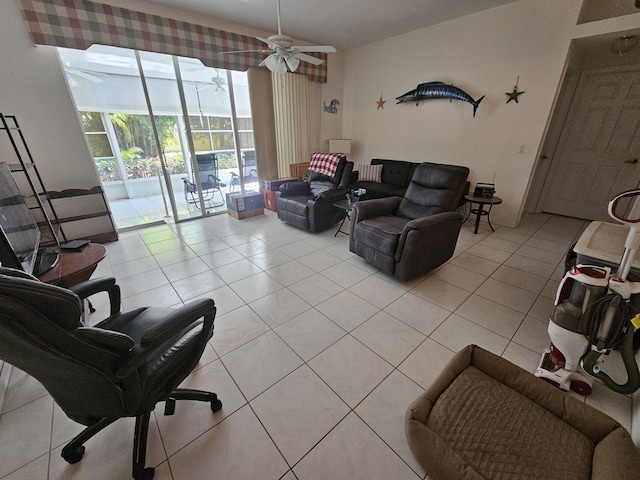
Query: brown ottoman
x,y
486,418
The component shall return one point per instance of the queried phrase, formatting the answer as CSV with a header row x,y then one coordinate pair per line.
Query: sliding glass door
x,y
164,129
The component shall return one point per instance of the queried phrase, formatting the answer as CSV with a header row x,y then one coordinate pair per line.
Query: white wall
x,y
331,123
483,54
33,88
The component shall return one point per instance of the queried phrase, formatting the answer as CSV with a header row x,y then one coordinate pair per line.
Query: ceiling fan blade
x,y
243,51
314,48
307,58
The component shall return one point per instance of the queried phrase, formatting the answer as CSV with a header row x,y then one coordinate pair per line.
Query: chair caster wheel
x,y
215,406
73,456
147,474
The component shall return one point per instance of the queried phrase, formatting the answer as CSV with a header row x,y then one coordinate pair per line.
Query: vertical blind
x,y
82,23
296,102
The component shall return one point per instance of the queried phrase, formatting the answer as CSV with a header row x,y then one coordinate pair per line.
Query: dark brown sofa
x,y
396,175
486,418
411,235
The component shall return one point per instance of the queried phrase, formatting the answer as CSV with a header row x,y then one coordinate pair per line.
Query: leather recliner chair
x,y
412,235
309,205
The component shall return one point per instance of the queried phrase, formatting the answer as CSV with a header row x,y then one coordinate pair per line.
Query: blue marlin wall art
x,y
431,90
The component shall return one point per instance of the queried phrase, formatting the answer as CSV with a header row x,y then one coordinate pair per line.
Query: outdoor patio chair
x,y
209,182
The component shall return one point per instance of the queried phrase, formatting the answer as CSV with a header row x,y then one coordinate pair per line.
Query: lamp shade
x,y
339,146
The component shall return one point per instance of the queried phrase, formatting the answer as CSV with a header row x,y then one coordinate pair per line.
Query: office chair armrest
x,y
96,285
164,329
180,318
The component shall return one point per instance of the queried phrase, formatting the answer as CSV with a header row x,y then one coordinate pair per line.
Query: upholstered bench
x,y
486,418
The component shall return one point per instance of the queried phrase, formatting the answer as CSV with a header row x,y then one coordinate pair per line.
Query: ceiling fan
x,y
283,53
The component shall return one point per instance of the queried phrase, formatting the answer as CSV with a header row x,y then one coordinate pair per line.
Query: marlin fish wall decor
x,y
430,90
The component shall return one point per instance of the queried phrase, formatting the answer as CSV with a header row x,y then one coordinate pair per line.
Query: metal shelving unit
x,y
81,204
38,200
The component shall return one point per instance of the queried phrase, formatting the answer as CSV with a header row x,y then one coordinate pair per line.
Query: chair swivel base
x,y
74,450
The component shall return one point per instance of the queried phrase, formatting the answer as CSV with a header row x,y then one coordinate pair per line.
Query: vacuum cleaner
x,y
593,315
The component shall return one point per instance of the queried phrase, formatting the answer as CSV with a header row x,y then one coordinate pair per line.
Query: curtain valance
x,y
82,23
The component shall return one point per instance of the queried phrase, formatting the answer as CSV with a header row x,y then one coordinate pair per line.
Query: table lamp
x,y
340,146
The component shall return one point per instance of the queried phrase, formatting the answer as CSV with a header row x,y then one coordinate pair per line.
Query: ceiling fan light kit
x,y
284,55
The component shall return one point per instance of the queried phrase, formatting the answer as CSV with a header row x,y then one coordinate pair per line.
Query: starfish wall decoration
x,y
514,95
381,102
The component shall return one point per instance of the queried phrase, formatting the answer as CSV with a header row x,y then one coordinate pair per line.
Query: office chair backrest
x,y
41,334
434,188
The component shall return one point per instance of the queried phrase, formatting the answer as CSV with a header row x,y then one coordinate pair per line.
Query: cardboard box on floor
x,y
245,205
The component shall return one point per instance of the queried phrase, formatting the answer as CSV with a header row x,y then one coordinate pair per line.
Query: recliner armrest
x,y
294,188
375,208
332,195
165,328
96,285
423,223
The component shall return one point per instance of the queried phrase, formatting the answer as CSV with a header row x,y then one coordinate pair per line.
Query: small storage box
x,y
245,205
269,199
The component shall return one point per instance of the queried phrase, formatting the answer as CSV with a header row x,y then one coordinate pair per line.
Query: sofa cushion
x,y
370,173
381,233
375,190
394,172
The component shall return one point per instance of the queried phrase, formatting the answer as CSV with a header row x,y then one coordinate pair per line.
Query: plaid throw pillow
x,y
370,173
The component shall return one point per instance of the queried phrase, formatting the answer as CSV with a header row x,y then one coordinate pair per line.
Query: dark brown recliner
x,y
409,236
309,205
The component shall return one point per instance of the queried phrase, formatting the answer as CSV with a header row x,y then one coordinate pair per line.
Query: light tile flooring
x,y
316,355
133,212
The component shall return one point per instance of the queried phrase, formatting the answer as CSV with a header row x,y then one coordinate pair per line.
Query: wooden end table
x,y
480,211
75,266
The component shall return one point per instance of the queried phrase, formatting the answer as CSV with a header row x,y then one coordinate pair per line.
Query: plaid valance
x,y
82,23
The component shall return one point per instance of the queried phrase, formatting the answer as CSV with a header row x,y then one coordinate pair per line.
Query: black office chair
x,y
120,367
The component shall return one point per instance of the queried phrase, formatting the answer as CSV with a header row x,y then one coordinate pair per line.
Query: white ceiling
x,y
342,23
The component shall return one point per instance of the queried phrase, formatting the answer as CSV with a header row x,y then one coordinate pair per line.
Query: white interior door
x,y
599,152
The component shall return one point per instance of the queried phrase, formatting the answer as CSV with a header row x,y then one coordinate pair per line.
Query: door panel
x,y
594,160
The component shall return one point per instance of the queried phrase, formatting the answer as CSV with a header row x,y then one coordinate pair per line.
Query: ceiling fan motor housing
x,y
283,41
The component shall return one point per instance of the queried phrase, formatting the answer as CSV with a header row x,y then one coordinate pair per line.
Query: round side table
x,y
480,211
